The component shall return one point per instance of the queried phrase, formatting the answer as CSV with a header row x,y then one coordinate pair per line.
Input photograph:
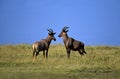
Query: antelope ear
x,y
49,33
54,33
66,30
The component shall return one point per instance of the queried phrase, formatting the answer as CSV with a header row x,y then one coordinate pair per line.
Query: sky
x,y
94,22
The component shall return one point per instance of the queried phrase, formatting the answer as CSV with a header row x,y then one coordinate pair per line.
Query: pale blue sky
x,y
95,22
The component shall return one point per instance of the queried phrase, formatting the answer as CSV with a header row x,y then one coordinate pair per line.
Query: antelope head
x,y
63,32
51,34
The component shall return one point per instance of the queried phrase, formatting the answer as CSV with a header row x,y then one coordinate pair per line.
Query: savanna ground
x,y
101,62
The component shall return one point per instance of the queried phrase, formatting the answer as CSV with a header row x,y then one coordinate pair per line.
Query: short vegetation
x,y
100,62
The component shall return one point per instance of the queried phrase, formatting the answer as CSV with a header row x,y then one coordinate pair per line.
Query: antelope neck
x,y
65,39
48,40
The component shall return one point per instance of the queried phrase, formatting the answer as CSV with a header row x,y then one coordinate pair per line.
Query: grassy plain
x,y
101,62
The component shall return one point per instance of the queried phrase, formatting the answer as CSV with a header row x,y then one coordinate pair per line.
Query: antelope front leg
x,y
68,53
46,53
33,56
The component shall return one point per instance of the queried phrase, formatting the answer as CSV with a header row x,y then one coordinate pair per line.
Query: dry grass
x,y
101,62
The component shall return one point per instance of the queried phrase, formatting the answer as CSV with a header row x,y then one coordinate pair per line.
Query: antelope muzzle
x,y
59,35
54,39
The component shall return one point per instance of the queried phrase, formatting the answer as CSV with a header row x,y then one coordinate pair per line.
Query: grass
x,y
101,62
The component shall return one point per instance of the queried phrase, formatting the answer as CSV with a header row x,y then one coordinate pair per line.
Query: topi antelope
x,y
43,45
71,43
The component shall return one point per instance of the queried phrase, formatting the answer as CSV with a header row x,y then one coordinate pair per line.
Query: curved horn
x,y
65,29
51,31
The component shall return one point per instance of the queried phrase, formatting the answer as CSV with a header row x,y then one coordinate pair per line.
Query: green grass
x,y
101,62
